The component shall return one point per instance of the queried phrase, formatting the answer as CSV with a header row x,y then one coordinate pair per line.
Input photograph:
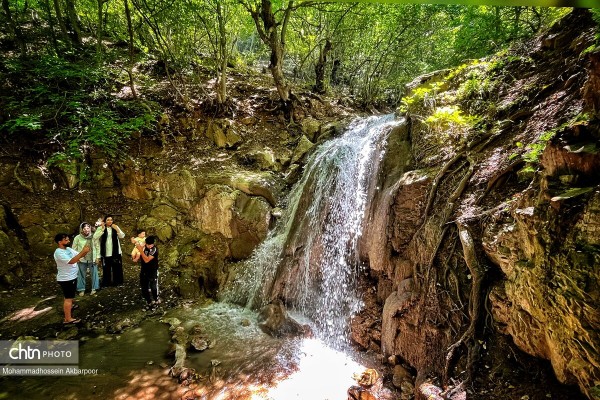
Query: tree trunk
x,y
14,29
46,5
99,31
267,26
131,51
61,22
73,19
276,68
335,70
320,68
222,73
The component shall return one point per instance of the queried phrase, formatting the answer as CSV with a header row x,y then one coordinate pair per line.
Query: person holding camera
x,y
110,250
66,263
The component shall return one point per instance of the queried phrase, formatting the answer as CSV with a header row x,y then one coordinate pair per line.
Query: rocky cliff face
x,y
208,196
499,219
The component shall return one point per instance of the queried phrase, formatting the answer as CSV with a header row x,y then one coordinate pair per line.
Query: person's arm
x,y
75,258
146,258
99,232
120,233
96,242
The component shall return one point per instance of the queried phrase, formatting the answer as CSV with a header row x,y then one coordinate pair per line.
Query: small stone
x,y
199,343
367,378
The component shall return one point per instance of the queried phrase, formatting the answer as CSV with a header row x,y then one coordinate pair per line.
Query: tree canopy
x,y
365,52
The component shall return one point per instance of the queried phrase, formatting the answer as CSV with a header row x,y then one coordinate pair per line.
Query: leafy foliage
x,y
68,83
69,106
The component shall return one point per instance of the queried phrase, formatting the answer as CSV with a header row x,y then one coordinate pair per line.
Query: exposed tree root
x,y
448,211
477,275
436,181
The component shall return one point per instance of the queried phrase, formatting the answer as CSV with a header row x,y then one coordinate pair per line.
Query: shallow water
x,y
242,363
122,361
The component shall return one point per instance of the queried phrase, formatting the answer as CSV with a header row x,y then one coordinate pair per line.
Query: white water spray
x,y
310,258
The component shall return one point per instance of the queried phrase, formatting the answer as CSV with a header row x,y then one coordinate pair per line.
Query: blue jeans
x,y
83,266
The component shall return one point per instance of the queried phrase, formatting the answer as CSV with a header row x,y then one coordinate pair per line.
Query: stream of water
x,y
310,259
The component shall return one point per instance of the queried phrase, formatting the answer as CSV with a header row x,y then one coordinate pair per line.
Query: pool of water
x,y
241,363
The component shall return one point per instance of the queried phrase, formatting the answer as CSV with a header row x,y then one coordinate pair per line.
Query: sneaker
x,y
81,293
93,292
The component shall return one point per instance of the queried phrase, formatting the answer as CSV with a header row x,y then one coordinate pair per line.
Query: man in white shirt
x,y
110,251
66,263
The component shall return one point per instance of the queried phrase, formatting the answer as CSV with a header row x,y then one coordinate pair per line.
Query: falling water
x,y
310,258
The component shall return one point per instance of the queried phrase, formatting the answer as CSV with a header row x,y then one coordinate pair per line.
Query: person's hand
x,y
114,226
99,262
85,250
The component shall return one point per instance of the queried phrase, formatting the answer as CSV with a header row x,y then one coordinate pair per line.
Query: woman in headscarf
x,y
110,251
87,262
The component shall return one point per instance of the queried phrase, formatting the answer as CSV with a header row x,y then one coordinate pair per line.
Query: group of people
x,y
100,246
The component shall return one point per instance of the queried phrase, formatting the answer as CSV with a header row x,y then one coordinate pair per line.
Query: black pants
x,y
112,271
149,283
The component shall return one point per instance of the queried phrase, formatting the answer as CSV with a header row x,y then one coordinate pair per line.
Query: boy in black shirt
x,y
149,271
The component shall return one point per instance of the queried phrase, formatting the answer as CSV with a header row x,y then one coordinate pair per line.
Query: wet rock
x,y
173,322
196,329
311,128
548,318
431,391
274,320
401,376
329,130
179,336
367,378
304,145
360,393
198,343
245,322
180,356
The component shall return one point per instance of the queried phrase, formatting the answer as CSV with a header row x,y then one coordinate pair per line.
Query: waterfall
x,y
310,258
